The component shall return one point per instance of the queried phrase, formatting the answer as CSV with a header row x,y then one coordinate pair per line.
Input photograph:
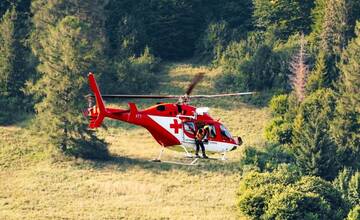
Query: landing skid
x,y
188,156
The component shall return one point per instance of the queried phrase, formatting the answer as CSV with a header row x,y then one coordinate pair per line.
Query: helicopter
x,y
172,125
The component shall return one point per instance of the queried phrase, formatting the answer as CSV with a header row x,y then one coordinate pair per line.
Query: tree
x,y
318,17
342,182
318,78
68,54
13,64
293,204
346,126
313,147
338,205
283,17
284,194
333,36
299,71
354,189
283,110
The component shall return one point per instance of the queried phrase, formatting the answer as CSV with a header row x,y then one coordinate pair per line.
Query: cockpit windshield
x,y
224,131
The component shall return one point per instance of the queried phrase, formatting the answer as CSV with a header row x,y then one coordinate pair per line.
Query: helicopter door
x,y
211,145
189,132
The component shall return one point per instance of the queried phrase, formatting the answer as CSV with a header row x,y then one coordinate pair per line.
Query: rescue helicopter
x,y
173,125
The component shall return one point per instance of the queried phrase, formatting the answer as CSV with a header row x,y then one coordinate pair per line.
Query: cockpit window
x,y
225,132
189,127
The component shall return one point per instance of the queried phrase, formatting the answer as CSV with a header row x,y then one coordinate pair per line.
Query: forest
x,y
302,57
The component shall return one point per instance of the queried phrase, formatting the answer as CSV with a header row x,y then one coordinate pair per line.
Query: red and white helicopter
x,y
173,125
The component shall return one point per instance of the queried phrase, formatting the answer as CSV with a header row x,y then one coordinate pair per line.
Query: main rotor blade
x,y
221,95
140,96
195,81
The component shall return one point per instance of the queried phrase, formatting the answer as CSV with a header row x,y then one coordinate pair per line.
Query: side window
x,y
161,108
225,132
212,131
189,127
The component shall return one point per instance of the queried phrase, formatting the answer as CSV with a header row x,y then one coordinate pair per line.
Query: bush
x,y
280,128
257,189
283,194
267,159
214,41
339,207
137,74
292,204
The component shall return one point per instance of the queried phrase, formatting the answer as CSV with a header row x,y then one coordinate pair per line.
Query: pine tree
x,y
354,189
318,78
283,17
318,17
300,71
346,126
13,64
68,54
313,147
333,35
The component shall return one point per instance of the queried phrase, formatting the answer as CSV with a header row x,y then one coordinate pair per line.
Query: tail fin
x,y
98,112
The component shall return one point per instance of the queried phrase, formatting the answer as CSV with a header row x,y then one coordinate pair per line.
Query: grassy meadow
x,y
36,183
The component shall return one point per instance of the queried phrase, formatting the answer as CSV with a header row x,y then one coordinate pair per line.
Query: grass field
x,y
34,184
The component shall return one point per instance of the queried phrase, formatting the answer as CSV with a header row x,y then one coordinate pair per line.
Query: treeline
x,y
309,169
307,52
304,51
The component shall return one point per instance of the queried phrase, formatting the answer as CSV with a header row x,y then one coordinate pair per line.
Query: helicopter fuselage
x,y
174,125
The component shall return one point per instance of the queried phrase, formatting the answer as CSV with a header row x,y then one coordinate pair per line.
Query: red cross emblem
x,y
176,126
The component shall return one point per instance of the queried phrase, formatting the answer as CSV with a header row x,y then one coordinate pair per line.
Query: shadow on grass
x,y
20,119
122,164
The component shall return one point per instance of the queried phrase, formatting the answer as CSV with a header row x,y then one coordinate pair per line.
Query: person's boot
x,y
197,154
204,156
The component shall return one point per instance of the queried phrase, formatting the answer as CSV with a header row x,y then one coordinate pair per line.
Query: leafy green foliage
x,y
252,65
283,194
136,74
280,128
283,17
266,159
339,206
292,204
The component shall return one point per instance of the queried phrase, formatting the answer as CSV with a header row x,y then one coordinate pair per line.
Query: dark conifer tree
x,y
346,127
313,147
13,63
68,44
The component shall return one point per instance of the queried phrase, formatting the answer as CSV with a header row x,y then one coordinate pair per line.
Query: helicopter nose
x,y
238,141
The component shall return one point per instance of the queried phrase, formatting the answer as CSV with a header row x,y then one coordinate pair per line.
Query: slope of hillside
x,y
35,185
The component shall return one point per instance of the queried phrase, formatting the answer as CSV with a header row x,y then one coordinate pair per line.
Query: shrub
x,y
328,192
267,159
283,194
137,74
292,204
280,128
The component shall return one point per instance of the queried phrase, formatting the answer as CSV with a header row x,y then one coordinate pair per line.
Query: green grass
x,y
35,184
